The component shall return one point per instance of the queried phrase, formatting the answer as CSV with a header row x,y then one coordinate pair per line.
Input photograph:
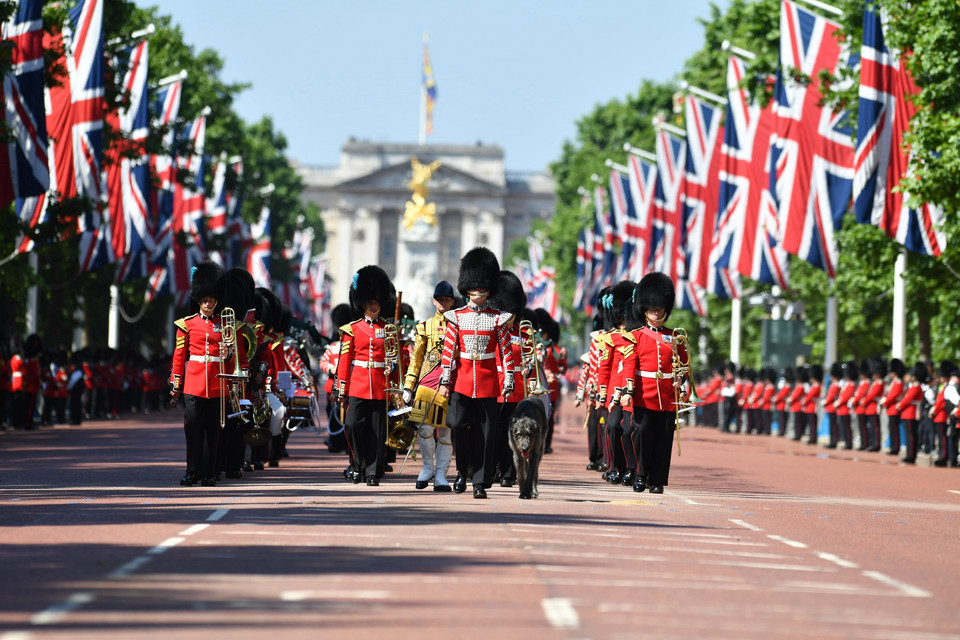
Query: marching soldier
x,y
939,412
811,399
909,407
25,381
623,343
829,408
890,399
654,380
339,316
420,387
586,392
877,369
197,359
362,371
469,370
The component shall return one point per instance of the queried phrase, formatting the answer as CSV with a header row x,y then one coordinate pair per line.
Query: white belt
x,y
205,359
477,356
369,364
18,374
659,375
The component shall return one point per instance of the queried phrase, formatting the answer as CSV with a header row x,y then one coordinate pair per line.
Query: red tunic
x,y
813,395
847,387
515,348
24,374
939,411
469,366
858,395
869,401
196,358
361,369
796,398
652,368
833,390
909,405
604,363
890,399
768,391
780,399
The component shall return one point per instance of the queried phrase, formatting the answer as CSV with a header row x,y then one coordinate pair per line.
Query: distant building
x,y
479,203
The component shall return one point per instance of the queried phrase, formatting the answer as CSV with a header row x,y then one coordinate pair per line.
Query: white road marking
x,y
197,528
687,500
216,515
560,613
129,567
16,635
746,525
297,596
787,541
953,491
906,589
57,612
829,557
166,544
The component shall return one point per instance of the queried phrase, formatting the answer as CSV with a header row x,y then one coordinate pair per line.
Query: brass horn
x,y
680,361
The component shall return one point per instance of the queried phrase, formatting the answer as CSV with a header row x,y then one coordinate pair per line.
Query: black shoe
x,y
235,475
506,482
373,482
627,479
593,466
548,449
602,467
247,467
614,476
422,484
639,484
356,476
460,484
479,492
939,463
388,468
189,480
209,481
274,463
605,476
873,449
442,488
656,488
832,445
258,466
908,460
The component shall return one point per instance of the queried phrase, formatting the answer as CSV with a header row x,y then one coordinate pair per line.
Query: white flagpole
x,y
113,319
736,311
31,311
898,340
830,348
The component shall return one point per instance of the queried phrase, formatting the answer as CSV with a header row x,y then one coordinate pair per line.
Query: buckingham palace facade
x,y
478,203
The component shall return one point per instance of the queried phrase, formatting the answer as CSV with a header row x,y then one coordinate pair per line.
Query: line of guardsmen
x,y
913,410
634,381
448,384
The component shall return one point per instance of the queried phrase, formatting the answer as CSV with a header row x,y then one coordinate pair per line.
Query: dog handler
x,y
651,380
475,332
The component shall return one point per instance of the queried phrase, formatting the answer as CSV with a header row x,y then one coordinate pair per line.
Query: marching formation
x,y
873,405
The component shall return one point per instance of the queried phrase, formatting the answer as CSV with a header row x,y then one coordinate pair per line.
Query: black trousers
x,y
22,409
872,421
913,437
729,412
656,444
846,431
594,452
472,422
630,441
834,429
366,429
230,449
893,423
76,404
614,437
504,453
201,427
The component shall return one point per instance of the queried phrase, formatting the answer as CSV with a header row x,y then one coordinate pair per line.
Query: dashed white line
x,y
130,567
906,589
560,613
745,525
829,557
787,541
16,635
55,613
166,544
298,596
197,528
216,515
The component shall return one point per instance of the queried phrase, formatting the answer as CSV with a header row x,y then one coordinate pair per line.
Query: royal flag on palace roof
x,y
881,159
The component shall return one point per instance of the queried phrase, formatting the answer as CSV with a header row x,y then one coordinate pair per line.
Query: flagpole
x,y
899,338
619,167
113,319
646,155
31,311
736,310
830,346
423,101
702,93
737,51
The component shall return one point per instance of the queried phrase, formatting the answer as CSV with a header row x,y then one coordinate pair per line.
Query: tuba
x,y
680,362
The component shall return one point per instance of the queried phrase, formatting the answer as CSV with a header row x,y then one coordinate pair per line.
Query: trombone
x,y
680,361
399,434
235,378
530,361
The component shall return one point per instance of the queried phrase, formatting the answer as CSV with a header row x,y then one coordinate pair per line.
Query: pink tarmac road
x,y
755,537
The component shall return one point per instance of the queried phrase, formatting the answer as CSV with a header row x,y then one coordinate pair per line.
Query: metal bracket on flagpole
x,y
234,159
737,51
177,77
146,32
702,93
659,124
829,8
619,167
596,178
583,192
267,190
637,151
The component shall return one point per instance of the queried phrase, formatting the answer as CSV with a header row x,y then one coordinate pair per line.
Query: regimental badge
x,y
433,357
667,339
379,334
515,340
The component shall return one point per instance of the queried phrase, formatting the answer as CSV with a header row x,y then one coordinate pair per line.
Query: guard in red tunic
x,y
511,299
829,408
654,380
25,381
870,441
909,407
890,399
587,392
362,371
623,343
197,361
811,399
469,370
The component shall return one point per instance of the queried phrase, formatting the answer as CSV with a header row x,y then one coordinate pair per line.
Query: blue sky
x,y
517,74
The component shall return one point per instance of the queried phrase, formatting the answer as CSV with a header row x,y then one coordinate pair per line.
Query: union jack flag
x,y
602,262
319,295
581,284
621,203
223,212
691,296
75,123
128,180
814,152
24,168
747,212
643,192
166,109
881,159
189,210
671,159
258,259
701,187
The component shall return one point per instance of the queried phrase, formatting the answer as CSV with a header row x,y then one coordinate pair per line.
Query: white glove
x,y
507,390
407,396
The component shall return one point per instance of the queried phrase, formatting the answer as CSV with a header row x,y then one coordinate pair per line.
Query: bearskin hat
x,y
239,292
284,318
878,367
789,374
206,281
948,369
655,290
548,326
836,371
32,346
850,370
597,324
372,283
510,297
340,315
601,304
920,372
816,372
621,295
406,312
479,269
897,367
803,373
268,308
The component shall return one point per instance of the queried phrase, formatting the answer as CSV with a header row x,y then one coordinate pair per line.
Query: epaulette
x,y
347,329
606,338
182,322
451,316
628,336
